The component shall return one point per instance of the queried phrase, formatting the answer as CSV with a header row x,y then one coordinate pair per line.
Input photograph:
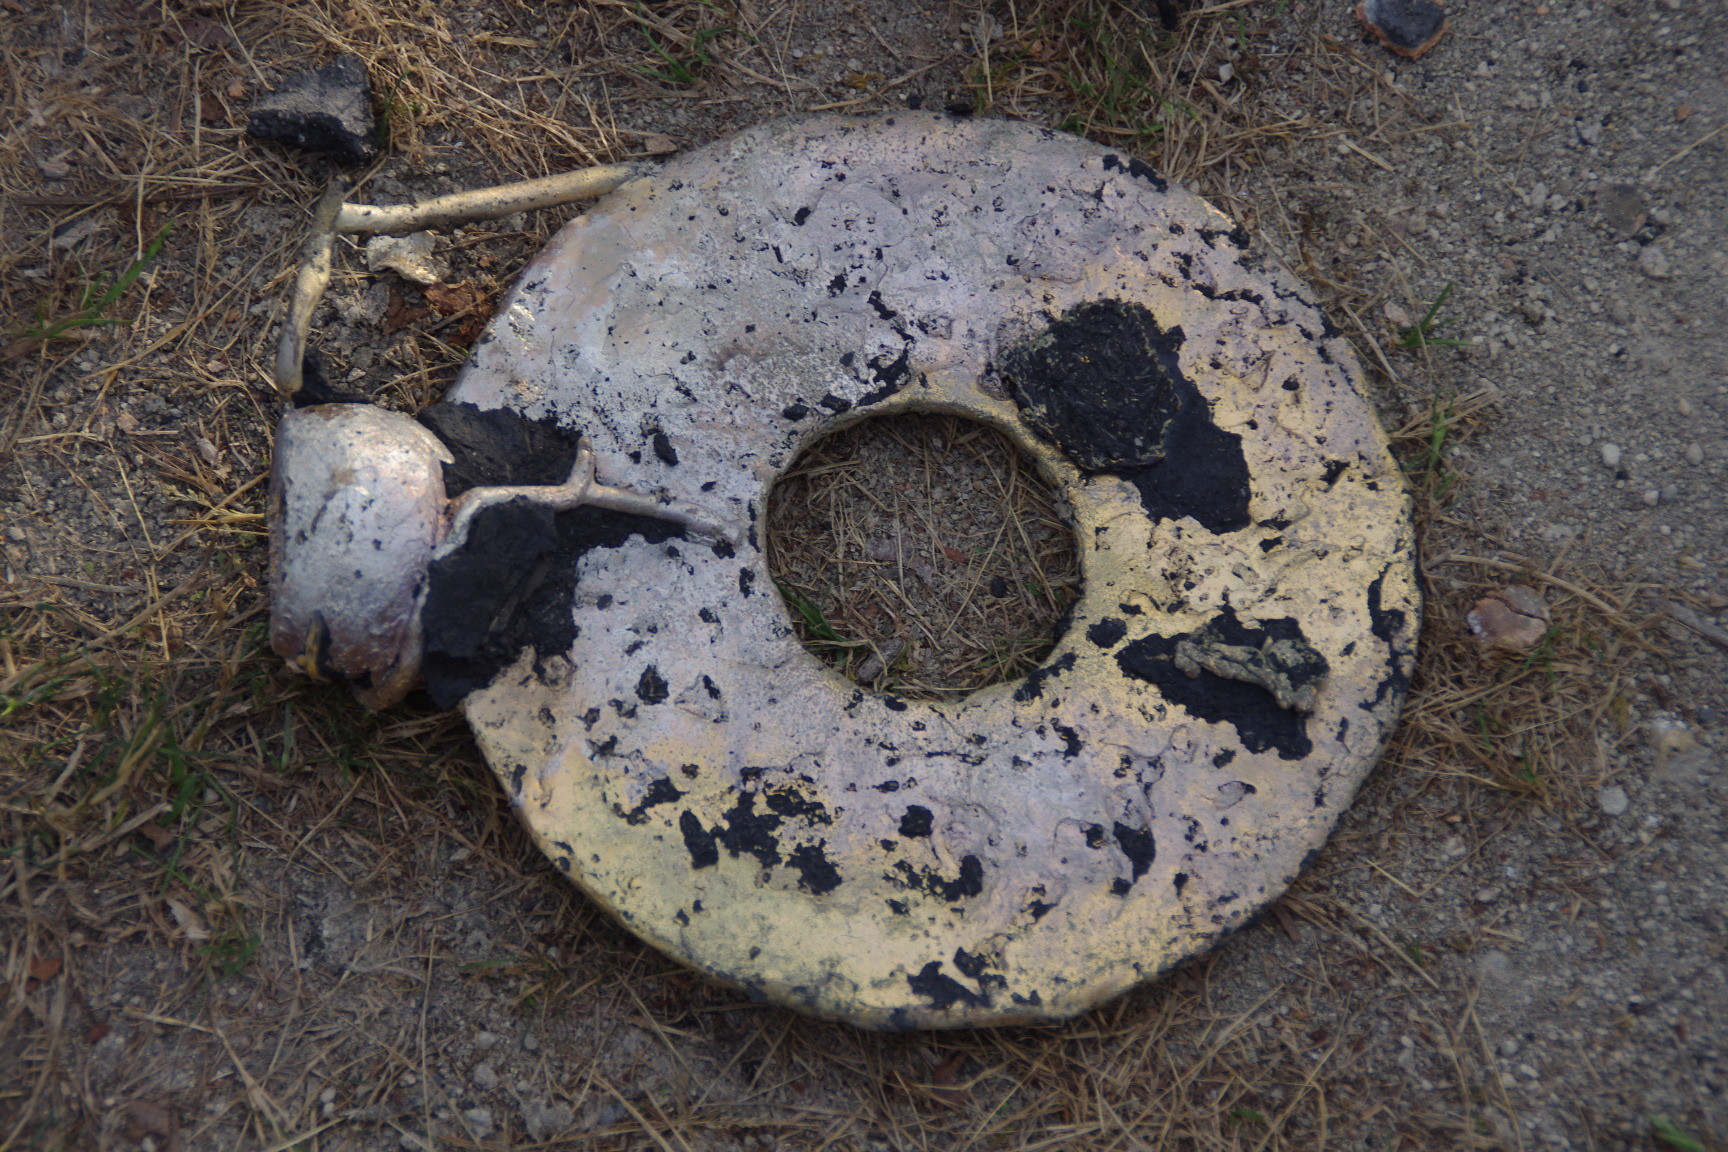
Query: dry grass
x,y
923,554
235,911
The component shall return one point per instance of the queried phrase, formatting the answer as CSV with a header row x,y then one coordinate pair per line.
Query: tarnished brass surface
x,y
1040,846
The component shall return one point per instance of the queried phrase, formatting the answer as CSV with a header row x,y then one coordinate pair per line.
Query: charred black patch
x,y
511,586
1107,633
1101,383
1104,383
1139,169
1388,625
749,832
663,448
698,841
943,991
968,884
499,446
652,688
916,822
1033,686
890,375
1138,846
659,792
1252,710
816,873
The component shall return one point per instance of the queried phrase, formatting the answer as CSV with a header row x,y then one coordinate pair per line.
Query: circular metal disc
x,y
1232,669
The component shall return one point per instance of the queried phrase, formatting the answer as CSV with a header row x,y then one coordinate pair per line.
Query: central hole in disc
x,y
922,555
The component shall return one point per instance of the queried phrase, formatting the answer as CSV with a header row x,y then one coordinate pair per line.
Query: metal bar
x,y
486,203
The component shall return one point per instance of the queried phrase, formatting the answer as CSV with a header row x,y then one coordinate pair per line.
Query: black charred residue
x,y
1071,742
746,578
663,448
1138,169
969,883
661,791
1388,626
835,404
816,873
651,687
1138,846
943,991
800,216
511,587
916,822
1259,721
890,375
1107,633
499,446
795,411
1224,758
881,309
1334,469
1033,686
698,841
749,832
1104,384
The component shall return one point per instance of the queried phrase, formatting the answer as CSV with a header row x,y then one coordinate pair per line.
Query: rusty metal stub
x,y
1233,668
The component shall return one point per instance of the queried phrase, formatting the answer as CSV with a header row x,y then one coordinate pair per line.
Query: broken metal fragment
x,y
1409,28
326,110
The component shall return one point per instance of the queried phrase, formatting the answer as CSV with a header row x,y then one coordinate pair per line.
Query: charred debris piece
x,y
1409,28
326,110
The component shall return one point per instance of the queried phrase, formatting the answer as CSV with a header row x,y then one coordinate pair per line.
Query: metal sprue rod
x,y
334,217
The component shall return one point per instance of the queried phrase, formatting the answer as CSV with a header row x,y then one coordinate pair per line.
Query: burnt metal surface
x,y
1233,668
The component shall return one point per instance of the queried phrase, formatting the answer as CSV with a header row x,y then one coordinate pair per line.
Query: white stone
x,y
1610,454
1653,262
409,256
1612,800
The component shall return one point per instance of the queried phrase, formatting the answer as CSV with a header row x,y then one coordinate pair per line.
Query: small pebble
x,y
1670,493
1487,895
1613,800
1694,454
1652,497
1653,262
1684,406
485,1039
481,1121
1508,1047
484,1077
1610,455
